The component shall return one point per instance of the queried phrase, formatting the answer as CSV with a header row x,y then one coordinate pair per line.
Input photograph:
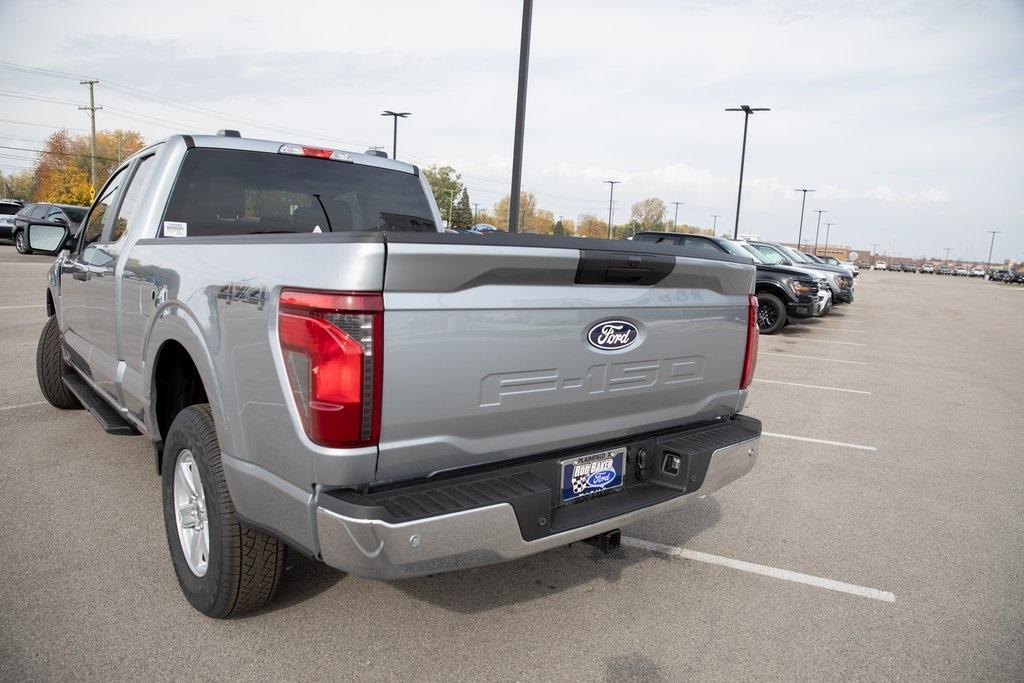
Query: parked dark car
x,y
1000,275
66,214
8,208
781,292
896,267
945,271
909,268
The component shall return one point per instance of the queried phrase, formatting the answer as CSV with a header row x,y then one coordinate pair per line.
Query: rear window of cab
x,y
237,192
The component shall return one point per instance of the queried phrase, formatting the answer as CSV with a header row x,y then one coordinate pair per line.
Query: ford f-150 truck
x,y
320,366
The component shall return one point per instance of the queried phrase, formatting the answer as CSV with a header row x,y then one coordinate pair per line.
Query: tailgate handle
x,y
622,268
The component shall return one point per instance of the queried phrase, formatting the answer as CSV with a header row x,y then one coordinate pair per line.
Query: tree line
x,y
62,172
452,198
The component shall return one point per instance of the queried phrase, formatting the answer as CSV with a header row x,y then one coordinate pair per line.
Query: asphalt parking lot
x,y
880,536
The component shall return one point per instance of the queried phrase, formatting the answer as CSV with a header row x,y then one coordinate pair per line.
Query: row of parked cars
x,y
15,216
790,283
959,271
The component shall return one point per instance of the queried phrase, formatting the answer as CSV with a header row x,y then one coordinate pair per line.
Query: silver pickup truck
x,y
319,365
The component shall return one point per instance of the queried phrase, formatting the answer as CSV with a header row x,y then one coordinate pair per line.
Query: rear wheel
x,y
771,313
21,242
224,568
50,368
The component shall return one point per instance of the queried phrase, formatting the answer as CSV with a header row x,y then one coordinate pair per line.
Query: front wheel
x,y
771,313
224,568
21,242
51,368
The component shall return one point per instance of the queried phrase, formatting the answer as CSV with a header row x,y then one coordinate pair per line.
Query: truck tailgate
x,y
488,351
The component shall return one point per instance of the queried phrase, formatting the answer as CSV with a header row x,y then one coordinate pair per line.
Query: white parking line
x,y
829,341
4,308
22,405
828,360
813,386
773,572
808,439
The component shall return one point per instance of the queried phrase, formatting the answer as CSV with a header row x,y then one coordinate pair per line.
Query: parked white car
x,y
977,272
928,268
881,265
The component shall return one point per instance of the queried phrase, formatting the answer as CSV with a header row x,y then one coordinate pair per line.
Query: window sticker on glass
x,y
175,229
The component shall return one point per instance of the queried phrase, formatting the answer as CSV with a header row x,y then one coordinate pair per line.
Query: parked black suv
x,y
67,214
781,292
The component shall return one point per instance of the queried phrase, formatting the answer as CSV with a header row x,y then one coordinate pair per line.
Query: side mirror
x,y
47,238
786,262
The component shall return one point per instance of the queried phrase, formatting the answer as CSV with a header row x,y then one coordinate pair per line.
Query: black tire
x,y
50,367
244,567
771,313
21,242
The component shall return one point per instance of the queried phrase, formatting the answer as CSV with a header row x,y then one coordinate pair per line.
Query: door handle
x,y
82,275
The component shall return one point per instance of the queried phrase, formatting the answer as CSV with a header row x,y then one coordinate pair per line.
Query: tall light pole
x,y
394,140
611,195
747,111
716,217
817,229
675,219
803,203
992,243
874,249
92,118
476,211
517,144
828,227
946,259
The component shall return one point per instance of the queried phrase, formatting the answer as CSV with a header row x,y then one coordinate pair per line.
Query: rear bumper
x,y
356,535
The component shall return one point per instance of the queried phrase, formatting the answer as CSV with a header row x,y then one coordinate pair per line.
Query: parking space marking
x,y
773,572
4,308
22,405
829,341
813,386
828,360
841,444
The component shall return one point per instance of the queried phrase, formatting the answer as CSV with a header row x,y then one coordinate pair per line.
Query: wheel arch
x,y
181,374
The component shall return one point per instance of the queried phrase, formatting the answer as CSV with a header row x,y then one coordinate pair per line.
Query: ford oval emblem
x,y
600,479
612,335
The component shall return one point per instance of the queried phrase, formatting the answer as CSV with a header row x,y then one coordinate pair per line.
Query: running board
x,y
105,414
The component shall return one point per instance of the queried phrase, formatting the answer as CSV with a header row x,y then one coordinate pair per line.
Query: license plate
x,y
589,475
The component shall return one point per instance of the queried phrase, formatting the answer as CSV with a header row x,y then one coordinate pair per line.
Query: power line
x,y
46,151
43,125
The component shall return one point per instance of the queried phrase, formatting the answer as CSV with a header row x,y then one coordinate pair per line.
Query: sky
x,y
907,118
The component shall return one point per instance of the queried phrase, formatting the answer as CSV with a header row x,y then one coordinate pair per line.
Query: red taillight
x,y
750,357
332,343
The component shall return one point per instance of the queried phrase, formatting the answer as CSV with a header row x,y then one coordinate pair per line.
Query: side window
x,y
37,211
54,213
93,227
770,255
131,197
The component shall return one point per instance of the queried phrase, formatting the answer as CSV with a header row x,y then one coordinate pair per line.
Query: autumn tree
x,y
591,226
647,214
20,185
112,147
527,211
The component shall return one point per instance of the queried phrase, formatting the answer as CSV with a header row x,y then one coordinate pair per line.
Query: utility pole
x,y
946,259
716,217
747,111
675,218
828,227
800,234
611,195
92,117
991,244
394,140
517,144
451,203
819,212
874,249
476,211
